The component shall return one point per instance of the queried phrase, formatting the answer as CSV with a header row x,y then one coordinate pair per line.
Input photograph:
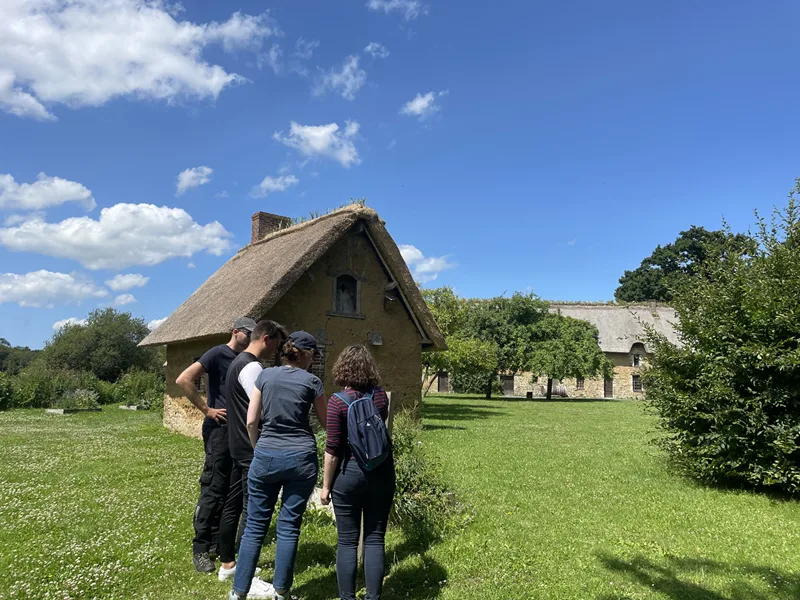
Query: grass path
x,y
570,500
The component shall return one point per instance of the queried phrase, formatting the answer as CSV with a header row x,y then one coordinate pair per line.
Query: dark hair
x,y
270,328
356,368
292,354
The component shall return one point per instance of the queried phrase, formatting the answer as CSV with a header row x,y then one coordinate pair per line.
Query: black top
x,y
216,362
287,394
239,382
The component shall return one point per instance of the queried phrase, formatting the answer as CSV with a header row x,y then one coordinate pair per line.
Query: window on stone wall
x,y
200,383
579,383
346,301
636,383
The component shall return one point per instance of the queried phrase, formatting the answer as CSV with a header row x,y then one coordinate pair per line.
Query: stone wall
x,y
384,326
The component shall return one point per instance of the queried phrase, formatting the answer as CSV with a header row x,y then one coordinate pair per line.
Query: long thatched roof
x,y
621,325
279,260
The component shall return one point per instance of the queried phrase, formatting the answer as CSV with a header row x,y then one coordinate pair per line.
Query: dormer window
x,y
346,296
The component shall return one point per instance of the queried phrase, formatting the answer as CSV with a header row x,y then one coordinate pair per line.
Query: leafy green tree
x,y
108,346
14,358
668,265
510,324
568,348
729,396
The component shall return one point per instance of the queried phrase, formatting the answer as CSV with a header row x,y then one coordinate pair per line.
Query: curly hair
x,y
356,368
292,354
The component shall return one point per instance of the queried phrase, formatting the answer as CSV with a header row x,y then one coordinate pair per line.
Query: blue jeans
x,y
271,471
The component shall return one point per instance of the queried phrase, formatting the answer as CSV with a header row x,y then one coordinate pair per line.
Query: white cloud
x,y
273,59
305,49
323,141
274,184
124,299
424,269
123,283
58,325
423,105
192,178
376,50
43,193
345,81
191,265
87,52
410,8
571,242
123,236
155,323
45,288
222,194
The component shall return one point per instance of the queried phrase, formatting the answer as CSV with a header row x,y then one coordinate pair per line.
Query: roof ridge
x,y
360,210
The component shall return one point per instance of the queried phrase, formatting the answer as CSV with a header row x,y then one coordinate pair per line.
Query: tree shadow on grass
x,y
429,427
459,412
672,577
412,574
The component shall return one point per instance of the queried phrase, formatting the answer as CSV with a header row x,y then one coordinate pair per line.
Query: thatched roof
x,y
279,260
620,325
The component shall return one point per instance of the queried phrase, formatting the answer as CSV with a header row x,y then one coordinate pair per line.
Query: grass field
x,y
570,501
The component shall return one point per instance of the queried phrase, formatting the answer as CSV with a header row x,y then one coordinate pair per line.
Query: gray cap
x,y
245,323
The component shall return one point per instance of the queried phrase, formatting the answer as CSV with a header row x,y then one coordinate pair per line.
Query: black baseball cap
x,y
302,340
245,324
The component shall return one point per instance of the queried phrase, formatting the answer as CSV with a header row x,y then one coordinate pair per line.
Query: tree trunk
x,y
489,386
430,384
549,388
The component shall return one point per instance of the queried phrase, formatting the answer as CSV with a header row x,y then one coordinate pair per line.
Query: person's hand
x,y
325,496
220,415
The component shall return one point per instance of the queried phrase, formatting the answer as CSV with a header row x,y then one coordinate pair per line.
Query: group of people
x,y
259,444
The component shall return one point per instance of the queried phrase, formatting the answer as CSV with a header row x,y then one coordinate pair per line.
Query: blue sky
x,y
515,145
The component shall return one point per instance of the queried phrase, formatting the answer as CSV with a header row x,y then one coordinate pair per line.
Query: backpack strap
x,y
344,398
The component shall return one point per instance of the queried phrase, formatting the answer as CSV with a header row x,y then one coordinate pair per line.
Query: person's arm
x,y
321,408
254,415
331,464
185,382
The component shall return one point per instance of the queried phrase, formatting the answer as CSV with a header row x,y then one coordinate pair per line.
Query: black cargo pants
x,y
214,482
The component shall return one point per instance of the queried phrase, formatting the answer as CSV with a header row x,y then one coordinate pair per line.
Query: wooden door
x,y
608,388
444,383
508,384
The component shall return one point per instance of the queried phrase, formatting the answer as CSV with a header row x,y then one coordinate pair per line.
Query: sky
x,y
540,147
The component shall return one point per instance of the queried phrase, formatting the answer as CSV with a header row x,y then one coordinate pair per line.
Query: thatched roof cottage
x,y
340,276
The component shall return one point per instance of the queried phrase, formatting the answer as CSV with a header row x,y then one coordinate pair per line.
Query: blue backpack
x,y
366,431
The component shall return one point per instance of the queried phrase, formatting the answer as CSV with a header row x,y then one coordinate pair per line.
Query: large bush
x,y
729,397
144,389
473,383
39,386
6,392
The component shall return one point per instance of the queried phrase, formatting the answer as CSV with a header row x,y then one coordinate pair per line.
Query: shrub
x,y
144,389
6,392
424,507
729,397
473,383
39,386
80,398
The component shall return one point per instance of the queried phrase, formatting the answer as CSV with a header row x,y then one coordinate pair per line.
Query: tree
x,y
14,358
510,325
569,348
463,354
108,346
728,398
667,266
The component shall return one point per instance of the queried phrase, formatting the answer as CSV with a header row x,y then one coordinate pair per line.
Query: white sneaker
x,y
225,574
261,589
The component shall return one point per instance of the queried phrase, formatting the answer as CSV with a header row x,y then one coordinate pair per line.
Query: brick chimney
x,y
266,223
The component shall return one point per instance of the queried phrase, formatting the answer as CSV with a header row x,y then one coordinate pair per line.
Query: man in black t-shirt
x,y
266,339
216,470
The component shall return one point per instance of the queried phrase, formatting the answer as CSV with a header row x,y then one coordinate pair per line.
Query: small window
x,y
636,383
200,383
637,360
346,296
579,383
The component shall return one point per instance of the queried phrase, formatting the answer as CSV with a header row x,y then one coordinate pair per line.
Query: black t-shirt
x,y
216,362
240,381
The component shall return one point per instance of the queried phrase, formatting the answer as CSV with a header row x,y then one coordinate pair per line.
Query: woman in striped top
x,y
357,493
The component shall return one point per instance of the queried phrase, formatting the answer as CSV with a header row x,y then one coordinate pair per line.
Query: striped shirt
x,y
337,419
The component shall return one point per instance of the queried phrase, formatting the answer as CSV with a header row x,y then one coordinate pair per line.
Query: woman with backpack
x,y
285,458
359,469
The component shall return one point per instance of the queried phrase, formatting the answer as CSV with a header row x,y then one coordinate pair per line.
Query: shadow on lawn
x,y
421,579
672,578
457,411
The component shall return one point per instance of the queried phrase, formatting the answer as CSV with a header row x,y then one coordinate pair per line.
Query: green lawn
x,y
570,503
